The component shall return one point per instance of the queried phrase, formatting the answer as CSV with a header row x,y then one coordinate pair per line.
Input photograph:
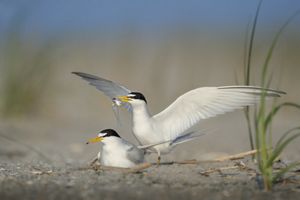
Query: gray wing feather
x,y
135,155
185,138
178,140
109,88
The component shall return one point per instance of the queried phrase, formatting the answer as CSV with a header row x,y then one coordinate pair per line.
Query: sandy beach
x,y
43,171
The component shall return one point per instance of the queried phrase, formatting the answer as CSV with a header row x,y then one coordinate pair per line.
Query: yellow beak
x,y
124,99
94,140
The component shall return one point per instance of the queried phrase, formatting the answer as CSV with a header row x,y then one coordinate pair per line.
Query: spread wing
x,y
109,88
206,102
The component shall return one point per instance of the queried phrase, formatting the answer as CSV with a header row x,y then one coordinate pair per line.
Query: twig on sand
x,y
236,156
237,165
220,159
38,171
212,170
187,162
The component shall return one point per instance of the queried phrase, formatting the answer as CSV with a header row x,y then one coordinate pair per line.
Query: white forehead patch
x,y
102,134
131,95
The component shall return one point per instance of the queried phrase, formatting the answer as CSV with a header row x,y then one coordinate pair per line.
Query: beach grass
x,y
260,137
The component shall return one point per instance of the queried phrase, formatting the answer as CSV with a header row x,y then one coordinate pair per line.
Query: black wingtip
x,y
85,75
78,73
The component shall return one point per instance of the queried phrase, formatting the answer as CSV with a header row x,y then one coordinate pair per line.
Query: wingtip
x,y
85,75
271,92
77,73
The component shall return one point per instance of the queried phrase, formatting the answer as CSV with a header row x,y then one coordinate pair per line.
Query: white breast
x,y
114,153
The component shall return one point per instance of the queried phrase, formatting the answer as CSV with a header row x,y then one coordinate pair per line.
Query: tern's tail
x,y
186,137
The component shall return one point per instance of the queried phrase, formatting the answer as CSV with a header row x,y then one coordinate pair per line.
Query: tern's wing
x,y
206,102
109,88
134,154
148,146
180,139
185,138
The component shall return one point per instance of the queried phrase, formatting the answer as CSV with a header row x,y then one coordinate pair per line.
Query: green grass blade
x,y
285,170
287,133
273,45
246,44
277,108
278,149
250,50
247,66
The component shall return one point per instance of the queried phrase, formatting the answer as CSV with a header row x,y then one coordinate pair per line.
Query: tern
x,y
186,111
117,152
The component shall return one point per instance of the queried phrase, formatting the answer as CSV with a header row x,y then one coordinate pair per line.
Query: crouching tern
x,y
117,152
186,111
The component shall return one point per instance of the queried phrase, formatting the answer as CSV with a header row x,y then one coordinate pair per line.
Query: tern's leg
x,y
96,160
158,158
93,161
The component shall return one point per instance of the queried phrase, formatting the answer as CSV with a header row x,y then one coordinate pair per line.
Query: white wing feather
x,y
206,102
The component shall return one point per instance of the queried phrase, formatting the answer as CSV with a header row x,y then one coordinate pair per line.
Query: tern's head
x,y
133,97
107,133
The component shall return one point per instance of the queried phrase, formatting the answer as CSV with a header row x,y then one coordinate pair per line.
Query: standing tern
x,y
117,152
186,111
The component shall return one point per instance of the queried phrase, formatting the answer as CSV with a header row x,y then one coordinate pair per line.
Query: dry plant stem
x,y
209,171
38,171
187,162
236,156
221,159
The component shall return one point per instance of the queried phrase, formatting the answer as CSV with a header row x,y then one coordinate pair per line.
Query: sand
x,y
39,180
42,160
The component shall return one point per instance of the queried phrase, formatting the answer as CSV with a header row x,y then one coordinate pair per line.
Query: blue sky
x,y
54,16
